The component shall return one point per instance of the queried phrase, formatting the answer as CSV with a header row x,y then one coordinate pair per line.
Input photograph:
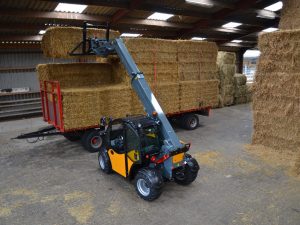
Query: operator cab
x,y
138,133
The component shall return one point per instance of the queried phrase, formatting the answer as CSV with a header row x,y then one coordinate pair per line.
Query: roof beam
x,y
220,15
62,16
150,7
21,38
251,31
123,12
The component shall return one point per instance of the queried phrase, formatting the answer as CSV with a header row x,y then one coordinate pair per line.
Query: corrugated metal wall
x,y
19,59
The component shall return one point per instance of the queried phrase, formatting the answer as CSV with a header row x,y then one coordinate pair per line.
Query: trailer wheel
x,y
190,121
72,136
91,140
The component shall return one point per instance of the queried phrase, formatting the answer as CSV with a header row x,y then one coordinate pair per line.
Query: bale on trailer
x,y
197,60
195,94
72,75
83,107
57,42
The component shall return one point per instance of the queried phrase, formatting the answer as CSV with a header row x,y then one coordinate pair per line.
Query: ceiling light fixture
x,y
236,41
266,14
66,7
160,16
42,31
204,3
130,35
231,25
274,7
198,38
270,29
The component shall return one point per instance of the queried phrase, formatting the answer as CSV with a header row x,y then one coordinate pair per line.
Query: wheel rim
x,y
101,162
96,142
193,122
143,187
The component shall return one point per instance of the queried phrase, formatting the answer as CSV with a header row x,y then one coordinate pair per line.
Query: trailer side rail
x,y
52,104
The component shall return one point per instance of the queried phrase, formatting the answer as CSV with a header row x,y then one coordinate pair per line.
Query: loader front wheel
x,y
104,161
91,140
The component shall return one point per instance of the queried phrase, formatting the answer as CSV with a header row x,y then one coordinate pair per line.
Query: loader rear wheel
x,y
91,140
190,121
188,174
148,184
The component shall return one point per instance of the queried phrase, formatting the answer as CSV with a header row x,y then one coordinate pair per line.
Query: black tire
x,y
72,136
148,184
188,174
88,140
104,161
190,121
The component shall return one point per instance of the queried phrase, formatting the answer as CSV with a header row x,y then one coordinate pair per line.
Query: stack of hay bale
x,y
240,89
226,68
276,100
197,70
91,90
157,59
88,90
290,15
182,74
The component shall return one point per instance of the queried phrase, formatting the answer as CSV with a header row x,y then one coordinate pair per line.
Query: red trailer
x,y
90,136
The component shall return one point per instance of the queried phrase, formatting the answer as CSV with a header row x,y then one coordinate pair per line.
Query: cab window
x,y
132,139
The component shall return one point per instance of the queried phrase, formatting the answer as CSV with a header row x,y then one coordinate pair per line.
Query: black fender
x,y
193,164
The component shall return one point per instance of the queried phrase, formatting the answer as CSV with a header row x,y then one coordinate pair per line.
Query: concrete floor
x,y
57,182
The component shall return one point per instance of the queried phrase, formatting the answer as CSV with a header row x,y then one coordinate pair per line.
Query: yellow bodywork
x,y
118,161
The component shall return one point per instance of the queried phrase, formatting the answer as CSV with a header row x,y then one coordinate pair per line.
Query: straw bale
x,y
195,94
188,46
165,72
276,98
226,58
57,42
240,79
83,107
290,15
167,95
287,84
276,131
228,100
197,71
280,46
153,57
226,73
240,91
138,45
72,75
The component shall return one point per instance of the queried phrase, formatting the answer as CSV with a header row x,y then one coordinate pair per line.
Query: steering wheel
x,y
119,142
